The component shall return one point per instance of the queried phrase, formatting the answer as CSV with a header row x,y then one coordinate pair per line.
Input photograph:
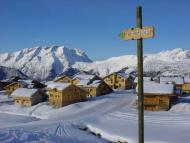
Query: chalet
x,y
15,85
62,94
26,97
23,84
158,96
177,81
119,80
95,87
186,85
64,79
83,76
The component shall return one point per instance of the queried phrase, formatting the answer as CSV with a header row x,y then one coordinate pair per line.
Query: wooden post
x,y
140,78
139,33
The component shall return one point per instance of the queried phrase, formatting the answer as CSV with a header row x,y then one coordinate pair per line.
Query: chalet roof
x,y
157,88
24,92
25,82
22,82
83,82
58,77
84,75
95,83
144,79
123,74
187,79
57,85
176,80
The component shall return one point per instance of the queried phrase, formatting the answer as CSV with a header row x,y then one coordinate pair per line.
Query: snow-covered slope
x,y
43,62
113,117
7,73
175,61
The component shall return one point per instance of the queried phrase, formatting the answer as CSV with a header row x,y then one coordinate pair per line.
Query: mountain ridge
x,y
175,61
43,62
50,61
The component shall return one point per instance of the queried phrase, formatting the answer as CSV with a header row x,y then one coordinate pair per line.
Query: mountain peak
x,y
43,62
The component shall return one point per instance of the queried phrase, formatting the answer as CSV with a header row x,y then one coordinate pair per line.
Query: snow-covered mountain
x,y
174,61
7,73
48,62
43,62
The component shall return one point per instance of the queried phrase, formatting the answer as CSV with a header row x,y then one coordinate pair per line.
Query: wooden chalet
x,y
95,87
119,80
23,84
186,85
64,79
178,81
158,96
62,94
15,85
26,97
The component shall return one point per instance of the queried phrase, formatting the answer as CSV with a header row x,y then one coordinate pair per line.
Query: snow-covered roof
x,y
187,79
176,80
157,88
125,75
83,82
144,79
57,85
24,92
58,77
95,83
25,82
84,76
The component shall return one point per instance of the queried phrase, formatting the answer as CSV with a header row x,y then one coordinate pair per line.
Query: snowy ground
x,y
113,117
4,98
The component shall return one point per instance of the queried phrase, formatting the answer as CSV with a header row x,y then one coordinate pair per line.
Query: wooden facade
x,y
97,88
13,86
62,97
119,81
25,100
158,96
186,87
156,102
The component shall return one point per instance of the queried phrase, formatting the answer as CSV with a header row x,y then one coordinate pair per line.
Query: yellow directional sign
x,y
137,33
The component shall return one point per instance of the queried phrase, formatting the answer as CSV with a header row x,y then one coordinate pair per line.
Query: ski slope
x,y
113,117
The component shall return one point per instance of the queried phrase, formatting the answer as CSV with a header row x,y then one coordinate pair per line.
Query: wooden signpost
x,y
139,34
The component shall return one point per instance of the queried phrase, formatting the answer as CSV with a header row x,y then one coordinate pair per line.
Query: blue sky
x,y
92,25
